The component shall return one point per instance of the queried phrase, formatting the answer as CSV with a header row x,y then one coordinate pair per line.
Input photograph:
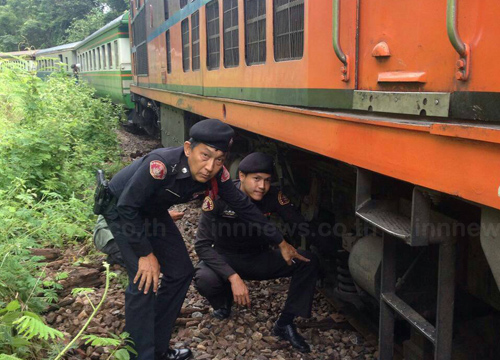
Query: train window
x,y
60,58
99,64
213,37
139,39
288,29
195,39
165,9
169,58
231,42
185,44
94,63
117,54
103,56
255,31
110,56
183,3
67,61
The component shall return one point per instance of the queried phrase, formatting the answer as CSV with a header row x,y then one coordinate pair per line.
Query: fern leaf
x,y
31,326
8,357
78,291
94,340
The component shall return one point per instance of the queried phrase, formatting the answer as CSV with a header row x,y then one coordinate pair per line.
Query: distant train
x,y
384,120
102,59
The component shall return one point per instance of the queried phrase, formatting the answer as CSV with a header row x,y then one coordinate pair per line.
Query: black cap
x,y
214,133
257,162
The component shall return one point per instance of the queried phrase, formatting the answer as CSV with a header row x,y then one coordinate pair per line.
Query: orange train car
x,y
384,119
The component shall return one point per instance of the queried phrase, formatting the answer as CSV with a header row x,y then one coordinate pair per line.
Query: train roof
x,y
59,48
116,22
25,53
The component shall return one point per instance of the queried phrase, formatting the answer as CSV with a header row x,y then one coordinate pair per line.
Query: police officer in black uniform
x,y
150,242
231,250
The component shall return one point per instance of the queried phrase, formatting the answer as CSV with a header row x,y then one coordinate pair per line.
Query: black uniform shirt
x,y
150,185
222,231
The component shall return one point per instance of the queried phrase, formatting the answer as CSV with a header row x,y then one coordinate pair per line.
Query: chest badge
x,y
282,199
184,170
208,204
157,169
225,175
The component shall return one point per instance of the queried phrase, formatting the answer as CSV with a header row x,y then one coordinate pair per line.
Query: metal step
x,y
410,315
381,215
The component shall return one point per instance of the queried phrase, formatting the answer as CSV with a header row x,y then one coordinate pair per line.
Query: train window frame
x,y
169,54
250,21
99,62
110,55
116,55
290,4
166,14
103,50
215,37
186,57
195,42
230,30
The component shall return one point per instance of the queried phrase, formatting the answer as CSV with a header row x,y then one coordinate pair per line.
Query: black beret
x,y
214,133
257,162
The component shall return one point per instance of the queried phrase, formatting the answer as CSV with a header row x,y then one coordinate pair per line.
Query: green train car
x,y
56,58
104,61
18,59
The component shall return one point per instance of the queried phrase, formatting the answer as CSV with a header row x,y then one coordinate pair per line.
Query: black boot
x,y
225,310
174,354
289,333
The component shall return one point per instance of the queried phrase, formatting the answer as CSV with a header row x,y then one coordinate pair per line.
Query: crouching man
x,y
230,253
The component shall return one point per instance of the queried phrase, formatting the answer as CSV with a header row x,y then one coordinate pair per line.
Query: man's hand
x,y
289,253
240,290
176,215
148,273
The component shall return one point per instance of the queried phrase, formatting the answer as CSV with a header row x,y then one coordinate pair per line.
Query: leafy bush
x,y
53,136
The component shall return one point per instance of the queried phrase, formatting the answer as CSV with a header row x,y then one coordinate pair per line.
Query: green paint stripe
x,y
109,73
318,98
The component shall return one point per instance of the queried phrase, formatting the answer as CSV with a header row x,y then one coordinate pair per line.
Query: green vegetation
x,y
46,23
53,135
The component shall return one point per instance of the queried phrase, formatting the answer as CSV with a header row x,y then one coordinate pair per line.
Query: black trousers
x,y
262,266
150,318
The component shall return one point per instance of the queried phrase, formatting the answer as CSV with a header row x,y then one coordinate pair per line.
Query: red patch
x,y
208,204
225,175
282,199
157,169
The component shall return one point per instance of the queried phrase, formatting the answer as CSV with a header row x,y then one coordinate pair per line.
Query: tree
x,y
46,23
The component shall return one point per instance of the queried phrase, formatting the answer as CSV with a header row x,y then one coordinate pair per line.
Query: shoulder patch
x,y
208,204
282,199
225,175
157,169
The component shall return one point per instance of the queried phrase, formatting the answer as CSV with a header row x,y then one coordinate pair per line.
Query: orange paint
x,y
410,152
